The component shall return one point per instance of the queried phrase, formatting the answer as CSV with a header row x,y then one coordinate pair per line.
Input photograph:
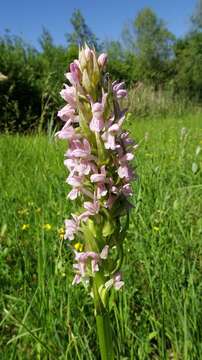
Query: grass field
x,y
158,314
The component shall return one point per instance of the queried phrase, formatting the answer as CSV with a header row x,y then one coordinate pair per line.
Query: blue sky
x,y
105,17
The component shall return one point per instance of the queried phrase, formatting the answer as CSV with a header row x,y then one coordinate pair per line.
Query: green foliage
x,y
147,102
20,93
196,18
188,65
149,55
152,43
123,69
121,64
82,33
153,39
158,314
29,97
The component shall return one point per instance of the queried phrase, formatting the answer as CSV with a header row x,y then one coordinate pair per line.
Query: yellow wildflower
x,y
23,212
25,226
30,203
47,227
78,246
61,232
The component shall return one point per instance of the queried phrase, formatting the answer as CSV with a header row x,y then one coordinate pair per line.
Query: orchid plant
x,y
99,173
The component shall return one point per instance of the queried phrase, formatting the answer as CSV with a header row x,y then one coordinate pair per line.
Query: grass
x,y
158,315
147,102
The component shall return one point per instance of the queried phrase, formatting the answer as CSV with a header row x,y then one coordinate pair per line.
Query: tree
x,y
121,64
46,40
152,42
188,59
153,39
196,18
114,49
82,33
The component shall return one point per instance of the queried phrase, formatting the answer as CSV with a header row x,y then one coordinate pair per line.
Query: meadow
x,y
158,314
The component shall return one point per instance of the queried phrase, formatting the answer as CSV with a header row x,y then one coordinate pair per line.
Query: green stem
x,y
103,324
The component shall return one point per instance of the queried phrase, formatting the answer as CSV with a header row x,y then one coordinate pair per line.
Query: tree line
x,y
148,53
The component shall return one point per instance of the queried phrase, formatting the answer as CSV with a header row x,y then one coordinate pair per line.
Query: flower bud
x,y
86,81
102,60
89,60
75,72
88,54
96,71
82,59
69,95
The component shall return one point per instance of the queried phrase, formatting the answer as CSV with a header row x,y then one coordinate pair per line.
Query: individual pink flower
x,y
79,149
74,193
126,140
125,171
116,281
77,279
75,71
66,113
100,179
69,95
83,258
79,166
92,209
85,167
90,257
71,228
74,76
101,190
67,132
118,89
76,182
97,122
127,157
109,136
127,190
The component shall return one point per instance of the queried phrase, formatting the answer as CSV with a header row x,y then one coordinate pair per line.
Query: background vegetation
x,y
148,57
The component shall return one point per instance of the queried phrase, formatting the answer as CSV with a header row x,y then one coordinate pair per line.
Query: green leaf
x,y
152,335
108,228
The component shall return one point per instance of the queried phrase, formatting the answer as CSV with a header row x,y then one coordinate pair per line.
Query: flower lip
x,y
97,178
66,113
69,95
